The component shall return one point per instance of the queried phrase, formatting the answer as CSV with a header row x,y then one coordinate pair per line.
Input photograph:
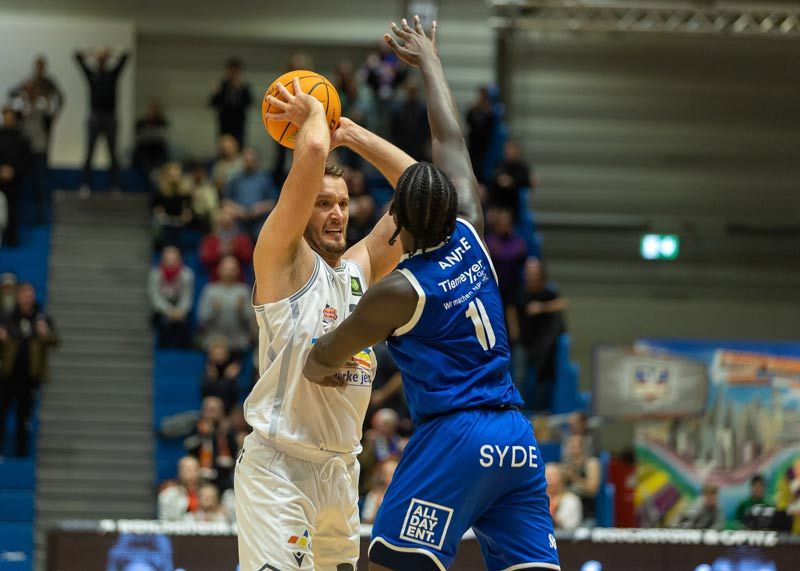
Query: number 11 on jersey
x,y
483,327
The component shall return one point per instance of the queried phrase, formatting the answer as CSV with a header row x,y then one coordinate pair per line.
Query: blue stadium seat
x,y
604,503
17,474
526,225
12,564
566,394
29,259
550,451
16,537
17,506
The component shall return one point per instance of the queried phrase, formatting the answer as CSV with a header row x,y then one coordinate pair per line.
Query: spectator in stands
x,y
8,295
508,251
226,240
409,126
480,122
381,443
171,290
239,425
362,206
177,498
205,198
225,309
509,178
172,206
357,101
788,495
577,423
565,507
582,474
755,512
229,163
705,513
384,72
387,387
26,340
150,150
251,195
15,157
537,320
208,507
103,110
213,444
221,375
374,498
3,216
230,98
40,101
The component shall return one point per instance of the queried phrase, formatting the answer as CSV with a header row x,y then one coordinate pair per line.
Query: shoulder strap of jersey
x,y
420,303
479,240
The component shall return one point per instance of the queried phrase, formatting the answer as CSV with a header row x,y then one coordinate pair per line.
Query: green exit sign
x,y
659,246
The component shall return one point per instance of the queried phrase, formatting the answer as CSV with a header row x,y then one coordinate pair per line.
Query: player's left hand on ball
x,y
411,44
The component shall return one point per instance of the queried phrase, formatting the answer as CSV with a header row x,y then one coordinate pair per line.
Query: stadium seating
x,y
29,261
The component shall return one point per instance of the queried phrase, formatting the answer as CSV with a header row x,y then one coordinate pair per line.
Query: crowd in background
x,y
26,335
206,216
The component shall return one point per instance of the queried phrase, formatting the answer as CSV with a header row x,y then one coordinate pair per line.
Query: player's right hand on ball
x,y
340,137
412,45
294,107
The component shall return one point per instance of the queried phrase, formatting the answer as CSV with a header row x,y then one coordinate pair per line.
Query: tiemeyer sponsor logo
x,y
426,523
301,544
475,273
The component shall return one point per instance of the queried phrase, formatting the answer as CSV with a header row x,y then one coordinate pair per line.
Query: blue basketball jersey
x,y
454,352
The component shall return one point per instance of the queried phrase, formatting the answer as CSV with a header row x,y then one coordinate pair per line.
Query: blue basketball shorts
x,y
478,469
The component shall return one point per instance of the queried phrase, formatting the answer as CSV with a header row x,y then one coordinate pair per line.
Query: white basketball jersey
x,y
284,406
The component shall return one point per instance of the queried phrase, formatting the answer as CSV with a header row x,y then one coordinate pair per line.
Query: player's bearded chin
x,y
326,244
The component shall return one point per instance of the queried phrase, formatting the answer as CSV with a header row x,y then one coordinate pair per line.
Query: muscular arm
x,y
282,259
376,256
388,305
449,149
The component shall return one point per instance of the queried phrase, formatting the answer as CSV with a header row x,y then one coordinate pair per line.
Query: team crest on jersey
x,y
426,523
301,543
329,315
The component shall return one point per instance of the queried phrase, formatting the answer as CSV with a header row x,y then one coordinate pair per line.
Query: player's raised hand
x,y
412,44
294,107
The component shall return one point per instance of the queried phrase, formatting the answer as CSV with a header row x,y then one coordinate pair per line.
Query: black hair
x,y
757,479
426,205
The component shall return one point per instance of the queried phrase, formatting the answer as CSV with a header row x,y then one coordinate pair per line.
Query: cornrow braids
x,y
425,204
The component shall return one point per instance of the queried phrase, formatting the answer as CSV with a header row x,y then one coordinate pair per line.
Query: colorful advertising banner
x,y
748,425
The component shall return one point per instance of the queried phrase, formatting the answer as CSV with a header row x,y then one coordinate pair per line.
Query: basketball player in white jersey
x,y
296,482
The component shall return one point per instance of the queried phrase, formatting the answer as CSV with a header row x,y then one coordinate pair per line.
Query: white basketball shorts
x,y
295,510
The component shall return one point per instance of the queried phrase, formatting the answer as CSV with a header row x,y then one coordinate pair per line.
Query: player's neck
x,y
332,261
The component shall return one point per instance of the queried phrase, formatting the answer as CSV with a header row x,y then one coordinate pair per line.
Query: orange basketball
x,y
311,83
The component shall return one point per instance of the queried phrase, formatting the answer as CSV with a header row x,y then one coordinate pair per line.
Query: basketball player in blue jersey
x,y
473,461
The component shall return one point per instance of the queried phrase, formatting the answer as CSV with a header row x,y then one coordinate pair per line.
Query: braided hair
x,y
425,204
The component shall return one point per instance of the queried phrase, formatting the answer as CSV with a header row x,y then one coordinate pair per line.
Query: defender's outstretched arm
x,y
449,149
